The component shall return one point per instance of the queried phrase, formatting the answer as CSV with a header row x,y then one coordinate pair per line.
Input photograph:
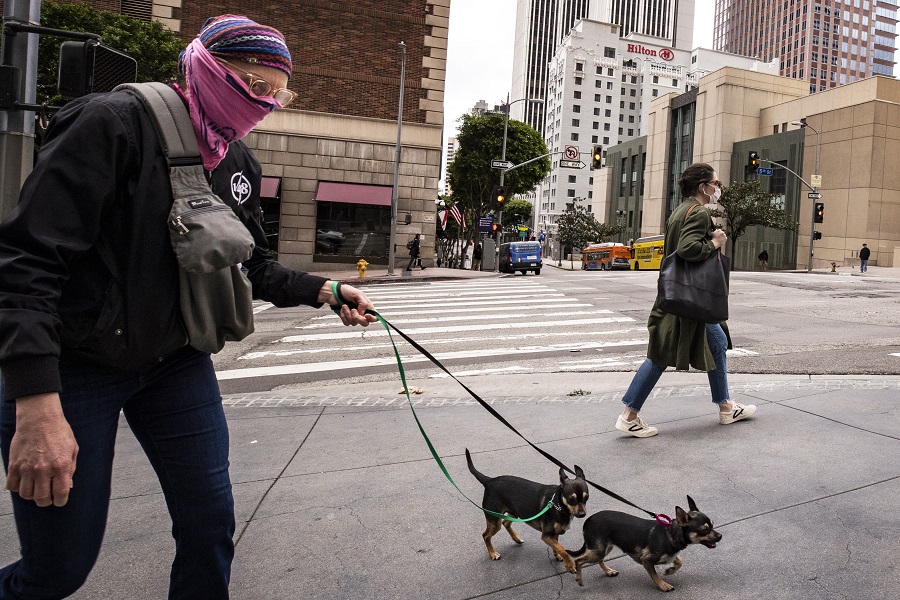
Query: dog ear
x,y
578,472
692,505
563,478
680,515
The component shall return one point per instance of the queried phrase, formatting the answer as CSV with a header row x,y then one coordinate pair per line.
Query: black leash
x,y
387,324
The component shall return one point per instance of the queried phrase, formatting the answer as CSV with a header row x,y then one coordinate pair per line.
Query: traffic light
x,y
498,194
89,66
495,227
817,235
753,160
819,212
597,157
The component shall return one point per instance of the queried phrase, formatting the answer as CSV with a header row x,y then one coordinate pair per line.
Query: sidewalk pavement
x,y
337,495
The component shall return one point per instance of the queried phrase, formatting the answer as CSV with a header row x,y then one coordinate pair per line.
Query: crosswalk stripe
x,y
376,362
430,343
456,310
520,299
455,328
446,318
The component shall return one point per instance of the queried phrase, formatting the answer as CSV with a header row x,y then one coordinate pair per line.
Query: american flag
x,y
457,216
443,215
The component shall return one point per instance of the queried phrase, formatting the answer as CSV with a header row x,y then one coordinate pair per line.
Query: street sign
x,y
814,196
485,223
572,164
815,180
500,164
571,153
764,171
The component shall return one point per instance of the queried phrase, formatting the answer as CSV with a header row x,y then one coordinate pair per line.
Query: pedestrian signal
x,y
819,212
597,157
817,235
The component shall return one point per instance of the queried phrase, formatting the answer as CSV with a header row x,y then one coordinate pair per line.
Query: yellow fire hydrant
x,y
833,267
361,267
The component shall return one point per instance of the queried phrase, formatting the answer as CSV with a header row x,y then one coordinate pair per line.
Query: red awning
x,y
354,193
268,187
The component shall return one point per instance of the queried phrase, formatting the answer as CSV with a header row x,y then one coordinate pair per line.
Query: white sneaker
x,y
637,428
738,412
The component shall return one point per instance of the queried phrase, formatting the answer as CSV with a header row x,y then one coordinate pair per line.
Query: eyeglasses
x,y
715,182
260,87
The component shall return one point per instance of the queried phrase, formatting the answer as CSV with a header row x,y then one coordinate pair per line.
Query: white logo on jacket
x,y
240,187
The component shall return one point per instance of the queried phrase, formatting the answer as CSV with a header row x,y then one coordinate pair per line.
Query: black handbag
x,y
695,290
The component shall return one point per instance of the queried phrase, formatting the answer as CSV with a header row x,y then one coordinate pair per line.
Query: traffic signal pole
x,y
812,220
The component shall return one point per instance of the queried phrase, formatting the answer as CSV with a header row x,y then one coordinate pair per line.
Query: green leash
x,y
335,288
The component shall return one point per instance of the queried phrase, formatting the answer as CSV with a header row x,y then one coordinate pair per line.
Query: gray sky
x,y
480,52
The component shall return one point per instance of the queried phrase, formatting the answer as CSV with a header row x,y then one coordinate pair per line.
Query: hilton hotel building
x,y
599,90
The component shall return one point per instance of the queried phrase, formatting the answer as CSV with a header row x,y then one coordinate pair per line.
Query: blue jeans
x,y
649,373
863,265
174,409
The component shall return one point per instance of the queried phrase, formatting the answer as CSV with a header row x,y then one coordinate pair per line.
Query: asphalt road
x,y
570,321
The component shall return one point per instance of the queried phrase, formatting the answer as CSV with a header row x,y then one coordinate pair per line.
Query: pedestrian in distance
x,y
413,247
676,341
91,326
864,254
764,259
476,257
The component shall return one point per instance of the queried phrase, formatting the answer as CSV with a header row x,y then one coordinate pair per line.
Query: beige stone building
x,y
858,132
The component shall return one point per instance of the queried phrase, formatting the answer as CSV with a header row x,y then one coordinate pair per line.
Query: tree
x,y
480,141
517,211
744,204
154,47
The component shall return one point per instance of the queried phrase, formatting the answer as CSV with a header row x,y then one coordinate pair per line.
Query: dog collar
x,y
558,504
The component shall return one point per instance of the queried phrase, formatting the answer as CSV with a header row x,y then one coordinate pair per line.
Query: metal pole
x,y
502,178
393,240
812,220
17,126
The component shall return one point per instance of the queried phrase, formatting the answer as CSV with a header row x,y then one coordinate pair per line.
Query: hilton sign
x,y
664,54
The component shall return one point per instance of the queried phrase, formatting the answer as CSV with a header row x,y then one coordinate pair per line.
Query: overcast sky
x,y
480,52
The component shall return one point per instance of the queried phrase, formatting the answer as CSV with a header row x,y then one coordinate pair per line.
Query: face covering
x,y
714,198
222,107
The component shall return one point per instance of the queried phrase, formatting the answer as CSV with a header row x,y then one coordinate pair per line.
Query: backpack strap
x,y
171,119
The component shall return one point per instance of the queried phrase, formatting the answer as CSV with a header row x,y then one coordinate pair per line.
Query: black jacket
x,y
864,254
87,272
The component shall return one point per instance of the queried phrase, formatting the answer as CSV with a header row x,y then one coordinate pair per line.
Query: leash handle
x,y
388,326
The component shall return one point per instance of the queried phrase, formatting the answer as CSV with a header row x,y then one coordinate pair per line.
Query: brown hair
x,y
693,177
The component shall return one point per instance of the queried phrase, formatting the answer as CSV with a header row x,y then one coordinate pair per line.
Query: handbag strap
x,y
171,119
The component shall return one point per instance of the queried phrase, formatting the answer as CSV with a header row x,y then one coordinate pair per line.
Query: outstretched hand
x,y
42,452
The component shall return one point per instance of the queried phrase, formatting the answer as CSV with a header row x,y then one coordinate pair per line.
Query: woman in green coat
x,y
676,341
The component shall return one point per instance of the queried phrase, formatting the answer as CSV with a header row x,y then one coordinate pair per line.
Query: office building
x,y
599,92
827,43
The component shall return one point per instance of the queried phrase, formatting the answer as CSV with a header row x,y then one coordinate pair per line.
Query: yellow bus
x,y
647,253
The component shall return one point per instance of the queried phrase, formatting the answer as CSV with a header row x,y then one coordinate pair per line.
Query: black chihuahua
x,y
522,498
645,540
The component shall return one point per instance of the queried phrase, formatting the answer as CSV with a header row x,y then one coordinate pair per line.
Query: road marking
x,y
456,340
443,375
894,354
444,319
274,371
520,299
453,329
442,311
741,352
261,307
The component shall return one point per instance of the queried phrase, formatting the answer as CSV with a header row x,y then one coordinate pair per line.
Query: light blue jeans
x,y
649,373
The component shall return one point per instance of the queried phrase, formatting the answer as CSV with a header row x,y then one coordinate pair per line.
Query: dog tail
x,y
577,553
484,479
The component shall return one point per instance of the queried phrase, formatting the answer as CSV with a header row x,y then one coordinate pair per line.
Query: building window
x,y
578,81
593,139
596,125
609,52
570,193
598,97
579,66
577,95
576,108
607,113
576,122
572,178
574,137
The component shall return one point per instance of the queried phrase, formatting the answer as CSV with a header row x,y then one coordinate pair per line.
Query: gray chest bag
x,y
209,240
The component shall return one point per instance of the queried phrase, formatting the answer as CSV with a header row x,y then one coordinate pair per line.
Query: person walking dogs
x,y
90,321
676,341
864,259
414,254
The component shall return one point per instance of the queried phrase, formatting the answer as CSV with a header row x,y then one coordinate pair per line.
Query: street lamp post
x,y
503,171
392,243
812,231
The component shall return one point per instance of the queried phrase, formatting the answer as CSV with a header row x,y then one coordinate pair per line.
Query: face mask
x,y
222,108
716,194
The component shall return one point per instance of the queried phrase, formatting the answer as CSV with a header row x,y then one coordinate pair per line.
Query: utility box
x,y
488,254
